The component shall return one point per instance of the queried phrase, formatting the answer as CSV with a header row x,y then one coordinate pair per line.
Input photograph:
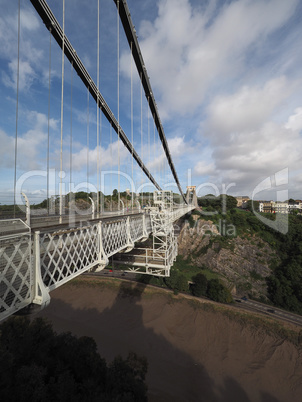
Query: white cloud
x,y
204,168
248,156
30,57
30,145
188,49
178,147
295,120
247,109
26,75
107,157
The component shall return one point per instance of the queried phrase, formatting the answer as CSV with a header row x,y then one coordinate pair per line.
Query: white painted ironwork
x,y
68,253
27,204
159,259
16,276
93,207
32,265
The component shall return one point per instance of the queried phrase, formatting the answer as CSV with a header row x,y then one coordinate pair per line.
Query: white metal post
x,y
92,207
27,204
103,259
41,294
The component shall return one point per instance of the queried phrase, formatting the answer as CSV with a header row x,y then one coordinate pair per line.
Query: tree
x,y
199,287
37,364
177,281
126,378
252,205
217,292
181,284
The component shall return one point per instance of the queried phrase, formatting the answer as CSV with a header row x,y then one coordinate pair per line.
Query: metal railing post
x,y
27,204
41,294
103,259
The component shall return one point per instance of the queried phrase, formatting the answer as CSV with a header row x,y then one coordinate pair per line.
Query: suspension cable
x,y
118,98
49,19
62,102
141,68
111,189
100,159
87,156
154,146
17,108
70,151
149,144
131,95
48,120
142,147
97,110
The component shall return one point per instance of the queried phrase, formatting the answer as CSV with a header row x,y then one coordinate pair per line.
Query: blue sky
x,y
226,76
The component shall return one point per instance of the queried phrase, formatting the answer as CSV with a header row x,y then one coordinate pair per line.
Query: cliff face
x,y
242,262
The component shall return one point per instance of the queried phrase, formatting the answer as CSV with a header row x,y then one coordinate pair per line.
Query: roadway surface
x,y
42,223
275,312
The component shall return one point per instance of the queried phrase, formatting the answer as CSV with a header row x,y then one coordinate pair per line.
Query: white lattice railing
x,y
33,264
16,274
67,253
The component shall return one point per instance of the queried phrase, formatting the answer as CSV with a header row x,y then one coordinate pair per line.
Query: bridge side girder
x,y
53,25
130,32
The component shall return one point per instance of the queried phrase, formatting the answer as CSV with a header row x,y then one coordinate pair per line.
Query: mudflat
x,y
193,354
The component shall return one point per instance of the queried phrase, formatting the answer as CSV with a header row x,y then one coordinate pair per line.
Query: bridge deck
x,y
36,260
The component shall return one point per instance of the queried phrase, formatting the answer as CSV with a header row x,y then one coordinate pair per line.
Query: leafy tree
x,y
81,195
220,204
177,281
199,287
181,284
37,364
252,205
217,292
172,279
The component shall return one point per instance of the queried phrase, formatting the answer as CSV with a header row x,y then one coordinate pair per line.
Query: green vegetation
x,y
219,204
204,282
36,364
285,283
213,289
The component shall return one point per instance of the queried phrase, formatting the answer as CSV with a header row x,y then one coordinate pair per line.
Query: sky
x,y
226,76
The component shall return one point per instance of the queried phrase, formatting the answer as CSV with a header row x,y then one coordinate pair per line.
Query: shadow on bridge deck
x,y
125,319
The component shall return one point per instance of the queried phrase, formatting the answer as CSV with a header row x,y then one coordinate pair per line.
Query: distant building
x,y
296,206
242,200
266,206
280,207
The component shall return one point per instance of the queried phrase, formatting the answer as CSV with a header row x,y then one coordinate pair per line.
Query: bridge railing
x,y
16,273
33,263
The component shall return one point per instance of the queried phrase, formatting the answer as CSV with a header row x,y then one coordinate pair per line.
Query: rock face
x,y
243,262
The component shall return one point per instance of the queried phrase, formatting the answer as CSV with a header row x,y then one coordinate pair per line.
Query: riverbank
x,y
196,350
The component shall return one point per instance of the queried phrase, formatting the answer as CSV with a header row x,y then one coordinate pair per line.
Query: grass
x,y
190,270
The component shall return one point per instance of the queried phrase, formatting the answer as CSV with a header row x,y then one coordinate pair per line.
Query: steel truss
x,y
158,259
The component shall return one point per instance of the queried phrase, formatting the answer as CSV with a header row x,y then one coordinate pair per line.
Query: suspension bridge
x,y
41,249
